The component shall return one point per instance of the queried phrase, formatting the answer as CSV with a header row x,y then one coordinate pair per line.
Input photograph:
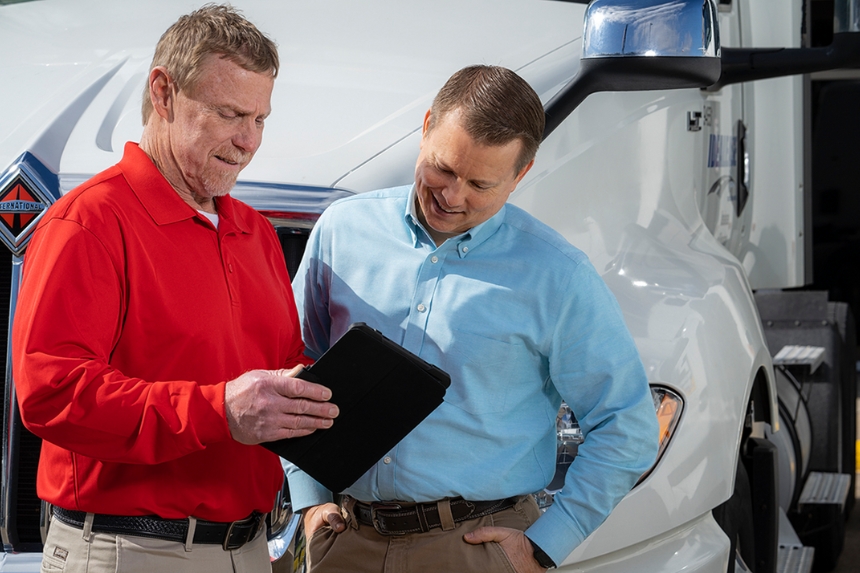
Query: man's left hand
x,y
514,543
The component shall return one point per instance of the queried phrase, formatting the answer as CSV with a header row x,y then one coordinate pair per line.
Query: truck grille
x,y
28,506
293,242
22,506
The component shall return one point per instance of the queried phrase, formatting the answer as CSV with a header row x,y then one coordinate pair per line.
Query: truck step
x,y
792,556
825,488
811,356
794,559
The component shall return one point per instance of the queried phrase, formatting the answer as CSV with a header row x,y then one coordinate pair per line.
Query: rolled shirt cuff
x,y
557,536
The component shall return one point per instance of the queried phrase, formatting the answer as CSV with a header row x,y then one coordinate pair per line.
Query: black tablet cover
x,y
383,392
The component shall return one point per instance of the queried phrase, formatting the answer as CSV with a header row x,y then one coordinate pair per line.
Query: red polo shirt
x,y
133,313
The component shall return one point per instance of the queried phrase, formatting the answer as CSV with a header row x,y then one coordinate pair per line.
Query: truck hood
x,y
356,78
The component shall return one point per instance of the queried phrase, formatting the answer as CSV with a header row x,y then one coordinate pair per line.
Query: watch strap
x,y
541,557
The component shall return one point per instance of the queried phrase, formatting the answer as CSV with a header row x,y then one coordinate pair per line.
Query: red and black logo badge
x,y
24,197
18,207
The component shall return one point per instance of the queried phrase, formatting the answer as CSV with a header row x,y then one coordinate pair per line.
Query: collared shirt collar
x,y
466,243
160,199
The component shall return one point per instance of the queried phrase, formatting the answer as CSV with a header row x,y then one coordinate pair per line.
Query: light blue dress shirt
x,y
520,320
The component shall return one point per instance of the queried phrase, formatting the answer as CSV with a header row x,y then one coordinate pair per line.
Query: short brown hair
x,y
212,29
498,106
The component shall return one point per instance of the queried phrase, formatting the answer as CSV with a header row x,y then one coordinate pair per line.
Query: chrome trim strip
x,y
9,414
45,519
284,197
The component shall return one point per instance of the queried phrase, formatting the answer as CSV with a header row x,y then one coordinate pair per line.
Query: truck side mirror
x,y
749,64
632,45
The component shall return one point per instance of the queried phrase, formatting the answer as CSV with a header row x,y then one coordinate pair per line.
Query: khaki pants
x,y
360,549
66,550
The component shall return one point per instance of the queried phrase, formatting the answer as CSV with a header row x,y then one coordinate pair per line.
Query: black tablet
x,y
383,392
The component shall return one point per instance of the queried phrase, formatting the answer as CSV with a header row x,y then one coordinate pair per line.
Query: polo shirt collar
x,y
467,242
226,211
160,199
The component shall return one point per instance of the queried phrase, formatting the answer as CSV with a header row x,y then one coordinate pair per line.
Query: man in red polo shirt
x,y
155,325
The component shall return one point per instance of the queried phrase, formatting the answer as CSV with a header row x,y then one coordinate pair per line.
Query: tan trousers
x,y
360,549
66,550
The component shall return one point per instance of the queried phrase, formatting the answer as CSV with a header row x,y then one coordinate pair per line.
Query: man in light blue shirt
x,y
520,320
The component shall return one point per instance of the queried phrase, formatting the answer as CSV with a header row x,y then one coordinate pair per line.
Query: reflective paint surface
x,y
622,179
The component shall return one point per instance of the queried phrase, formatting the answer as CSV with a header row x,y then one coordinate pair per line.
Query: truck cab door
x,y
725,202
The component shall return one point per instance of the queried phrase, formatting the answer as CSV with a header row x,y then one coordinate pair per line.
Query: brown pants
x,y
360,549
66,550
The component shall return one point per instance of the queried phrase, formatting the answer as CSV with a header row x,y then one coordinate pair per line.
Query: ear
x,y
426,127
523,172
161,92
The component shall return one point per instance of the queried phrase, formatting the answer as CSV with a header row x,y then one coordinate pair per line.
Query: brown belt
x,y
390,518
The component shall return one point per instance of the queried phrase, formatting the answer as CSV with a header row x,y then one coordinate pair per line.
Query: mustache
x,y
237,157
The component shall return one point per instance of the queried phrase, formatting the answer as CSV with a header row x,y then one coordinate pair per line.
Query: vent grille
x,y
293,242
25,506
5,294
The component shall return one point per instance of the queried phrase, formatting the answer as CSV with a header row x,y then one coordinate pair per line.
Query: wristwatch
x,y
541,557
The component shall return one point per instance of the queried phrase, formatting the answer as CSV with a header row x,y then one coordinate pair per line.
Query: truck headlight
x,y
668,406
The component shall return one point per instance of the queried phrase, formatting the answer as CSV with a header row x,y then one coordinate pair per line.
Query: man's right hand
x,y
325,514
269,405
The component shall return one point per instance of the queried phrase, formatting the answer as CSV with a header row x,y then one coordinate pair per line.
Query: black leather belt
x,y
230,536
393,519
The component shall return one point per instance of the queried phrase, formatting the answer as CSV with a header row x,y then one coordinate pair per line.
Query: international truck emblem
x,y
18,208
25,194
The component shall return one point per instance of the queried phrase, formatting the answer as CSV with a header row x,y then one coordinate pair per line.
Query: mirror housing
x,y
634,45
749,64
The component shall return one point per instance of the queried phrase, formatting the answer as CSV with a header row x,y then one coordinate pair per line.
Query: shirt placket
x,y
227,266
417,319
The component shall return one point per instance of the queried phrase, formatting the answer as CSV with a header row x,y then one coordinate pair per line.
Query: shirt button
x,y
465,249
421,308
434,259
387,460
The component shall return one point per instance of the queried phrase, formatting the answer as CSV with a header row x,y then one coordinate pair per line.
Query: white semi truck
x,y
670,159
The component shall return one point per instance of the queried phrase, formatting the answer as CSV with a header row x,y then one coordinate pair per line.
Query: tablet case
x,y
383,392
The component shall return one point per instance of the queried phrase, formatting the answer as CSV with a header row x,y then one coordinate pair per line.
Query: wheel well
x,y
758,456
760,396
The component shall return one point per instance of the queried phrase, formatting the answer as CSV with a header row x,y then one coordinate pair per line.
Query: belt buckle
x,y
376,507
228,546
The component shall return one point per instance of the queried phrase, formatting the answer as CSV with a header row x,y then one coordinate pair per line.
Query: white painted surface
x,y
622,179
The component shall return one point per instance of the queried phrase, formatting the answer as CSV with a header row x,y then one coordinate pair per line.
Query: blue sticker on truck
x,y
722,151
